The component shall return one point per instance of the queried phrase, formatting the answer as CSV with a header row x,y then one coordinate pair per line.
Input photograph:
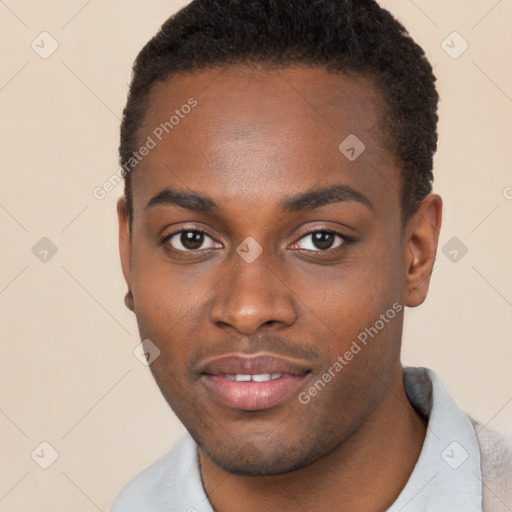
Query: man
x,y
277,220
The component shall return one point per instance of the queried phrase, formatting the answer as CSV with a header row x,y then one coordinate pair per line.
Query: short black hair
x,y
351,36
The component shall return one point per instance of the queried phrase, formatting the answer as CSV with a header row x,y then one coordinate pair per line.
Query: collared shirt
x,y
458,470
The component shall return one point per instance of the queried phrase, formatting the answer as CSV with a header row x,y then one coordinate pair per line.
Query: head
x,y
282,208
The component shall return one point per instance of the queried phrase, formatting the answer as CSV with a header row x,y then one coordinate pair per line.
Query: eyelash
x,y
346,240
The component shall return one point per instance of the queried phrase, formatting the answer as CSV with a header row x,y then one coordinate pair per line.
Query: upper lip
x,y
253,365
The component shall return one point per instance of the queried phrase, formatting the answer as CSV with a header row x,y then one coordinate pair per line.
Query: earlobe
x,y
128,300
422,236
125,246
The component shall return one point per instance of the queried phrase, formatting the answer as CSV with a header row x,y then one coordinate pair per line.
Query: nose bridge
x,y
251,295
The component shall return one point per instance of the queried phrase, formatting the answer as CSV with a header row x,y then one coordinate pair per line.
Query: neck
x,y
366,473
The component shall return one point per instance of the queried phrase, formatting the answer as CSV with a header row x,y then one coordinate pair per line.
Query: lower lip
x,y
252,396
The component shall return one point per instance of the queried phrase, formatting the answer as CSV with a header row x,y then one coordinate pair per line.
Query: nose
x,y
252,295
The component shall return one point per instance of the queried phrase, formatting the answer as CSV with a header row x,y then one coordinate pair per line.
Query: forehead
x,y
256,132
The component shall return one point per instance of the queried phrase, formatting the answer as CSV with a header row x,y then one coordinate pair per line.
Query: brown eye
x,y
323,240
190,240
320,240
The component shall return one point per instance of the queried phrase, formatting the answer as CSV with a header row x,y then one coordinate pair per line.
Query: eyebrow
x,y
316,198
187,200
309,200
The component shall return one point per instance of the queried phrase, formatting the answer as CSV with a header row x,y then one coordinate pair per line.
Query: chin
x,y
249,460
260,467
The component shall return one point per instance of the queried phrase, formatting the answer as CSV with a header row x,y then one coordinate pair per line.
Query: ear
x,y
125,247
422,236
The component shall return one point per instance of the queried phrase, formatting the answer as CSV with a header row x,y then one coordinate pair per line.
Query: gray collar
x,y
446,478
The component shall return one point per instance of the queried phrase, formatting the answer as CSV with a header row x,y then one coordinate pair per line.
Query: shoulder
x,y
159,487
496,461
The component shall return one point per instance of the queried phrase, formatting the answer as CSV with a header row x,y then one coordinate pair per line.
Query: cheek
x,y
352,296
163,294
169,307
361,303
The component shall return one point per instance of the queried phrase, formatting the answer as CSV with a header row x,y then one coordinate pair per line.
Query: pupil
x,y
323,240
192,239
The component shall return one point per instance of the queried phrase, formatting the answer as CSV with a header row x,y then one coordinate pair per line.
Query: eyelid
x,y
346,240
182,229
167,237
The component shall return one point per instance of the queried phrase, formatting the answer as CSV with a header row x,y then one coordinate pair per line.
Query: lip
x,y
217,375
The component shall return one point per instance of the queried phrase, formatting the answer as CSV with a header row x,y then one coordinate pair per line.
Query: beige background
x,y
69,376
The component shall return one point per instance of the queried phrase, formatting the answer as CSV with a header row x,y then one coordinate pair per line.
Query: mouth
x,y
259,377
252,383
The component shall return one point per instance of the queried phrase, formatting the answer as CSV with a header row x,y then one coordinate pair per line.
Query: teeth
x,y
260,377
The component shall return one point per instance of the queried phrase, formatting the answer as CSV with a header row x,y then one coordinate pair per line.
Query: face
x,y
262,253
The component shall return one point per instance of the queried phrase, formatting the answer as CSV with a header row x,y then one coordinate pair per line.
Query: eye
x,y
189,240
320,240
